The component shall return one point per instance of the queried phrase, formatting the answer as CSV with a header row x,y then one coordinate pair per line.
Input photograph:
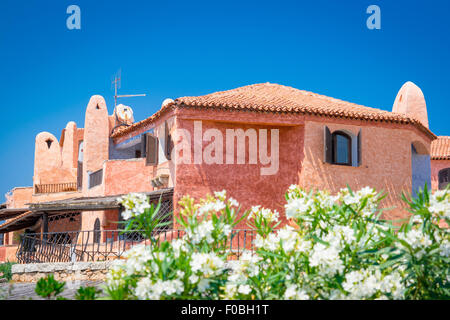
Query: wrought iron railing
x,y
105,244
55,187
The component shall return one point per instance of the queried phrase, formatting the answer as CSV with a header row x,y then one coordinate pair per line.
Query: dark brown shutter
x,y
152,150
327,145
359,148
80,175
168,141
143,145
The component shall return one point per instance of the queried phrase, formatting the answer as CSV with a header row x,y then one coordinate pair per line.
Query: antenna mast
x,y
117,85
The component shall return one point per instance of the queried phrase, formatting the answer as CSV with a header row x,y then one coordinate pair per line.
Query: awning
x,y
23,220
11,213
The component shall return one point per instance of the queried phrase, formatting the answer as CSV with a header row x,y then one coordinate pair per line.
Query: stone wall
x,y
62,271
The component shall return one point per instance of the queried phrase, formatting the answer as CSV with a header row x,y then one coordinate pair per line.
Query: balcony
x,y
55,187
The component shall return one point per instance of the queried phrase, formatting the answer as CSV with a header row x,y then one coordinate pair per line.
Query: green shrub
x,y
87,293
49,288
5,270
338,249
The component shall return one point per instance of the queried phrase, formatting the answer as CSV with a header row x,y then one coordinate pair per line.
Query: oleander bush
x,y
336,247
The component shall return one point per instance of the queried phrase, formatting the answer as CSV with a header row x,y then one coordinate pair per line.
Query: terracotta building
x,y
254,142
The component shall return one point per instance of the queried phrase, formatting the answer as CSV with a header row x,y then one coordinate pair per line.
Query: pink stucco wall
x,y
243,182
386,160
125,176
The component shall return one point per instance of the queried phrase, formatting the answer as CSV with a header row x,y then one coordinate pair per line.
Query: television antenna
x,y
117,85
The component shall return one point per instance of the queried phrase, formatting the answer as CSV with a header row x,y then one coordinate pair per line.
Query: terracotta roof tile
x,y
16,219
269,97
440,148
121,131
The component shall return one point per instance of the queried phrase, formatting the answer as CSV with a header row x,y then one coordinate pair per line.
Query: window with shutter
x,y
341,148
151,150
143,145
444,178
95,178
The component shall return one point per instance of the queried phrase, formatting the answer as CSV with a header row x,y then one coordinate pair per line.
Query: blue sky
x,y
168,49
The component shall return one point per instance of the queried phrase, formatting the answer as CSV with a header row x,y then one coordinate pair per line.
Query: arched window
x,y
341,148
444,178
97,232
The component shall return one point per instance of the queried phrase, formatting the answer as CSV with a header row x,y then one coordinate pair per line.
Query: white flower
x,y
134,203
220,194
206,263
294,293
202,231
444,248
232,202
226,229
269,215
137,259
244,289
298,206
289,238
440,203
193,278
146,289
203,285
271,242
327,259
179,245
416,239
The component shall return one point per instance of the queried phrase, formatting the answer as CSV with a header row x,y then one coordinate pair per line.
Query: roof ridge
x,y
274,97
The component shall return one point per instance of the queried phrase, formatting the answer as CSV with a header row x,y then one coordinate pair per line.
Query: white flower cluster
x,y
212,206
204,267
116,275
440,203
327,259
179,246
217,204
147,289
137,258
203,231
444,248
246,266
206,264
287,238
366,283
335,253
134,204
297,207
269,215
293,292
418,241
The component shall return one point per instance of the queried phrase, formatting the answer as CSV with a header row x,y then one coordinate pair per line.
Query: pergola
x,y
21,218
